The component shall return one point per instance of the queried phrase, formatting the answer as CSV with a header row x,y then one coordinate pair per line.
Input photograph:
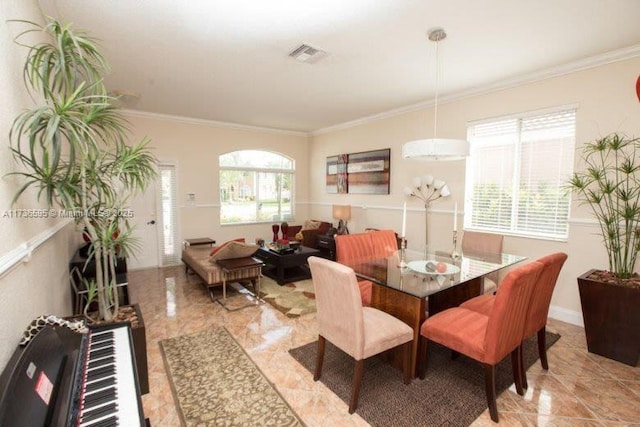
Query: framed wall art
x,y
359,173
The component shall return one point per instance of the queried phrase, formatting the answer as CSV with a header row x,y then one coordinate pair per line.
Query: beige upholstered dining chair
x,y
476,243
359,331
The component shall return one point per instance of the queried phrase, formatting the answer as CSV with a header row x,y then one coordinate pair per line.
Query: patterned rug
x,y
452,394
215,383
292,299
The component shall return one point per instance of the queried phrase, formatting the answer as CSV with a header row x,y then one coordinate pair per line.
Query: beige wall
x,y
195,146
606,101
41,284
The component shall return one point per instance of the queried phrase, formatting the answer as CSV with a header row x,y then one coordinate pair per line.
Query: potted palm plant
x,y
610,185
72,150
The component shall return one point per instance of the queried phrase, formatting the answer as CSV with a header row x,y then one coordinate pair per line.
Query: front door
x,y
146,229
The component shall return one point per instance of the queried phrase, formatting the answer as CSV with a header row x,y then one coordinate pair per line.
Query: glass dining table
x,y
419,287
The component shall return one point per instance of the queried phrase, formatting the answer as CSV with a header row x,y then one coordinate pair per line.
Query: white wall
x,y
607,102
41,285
195,146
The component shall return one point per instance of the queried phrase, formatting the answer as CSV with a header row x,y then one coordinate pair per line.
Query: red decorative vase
x,y
285,231
275,228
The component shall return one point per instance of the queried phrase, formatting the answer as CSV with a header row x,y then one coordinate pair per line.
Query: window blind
x,y
169,239
516,174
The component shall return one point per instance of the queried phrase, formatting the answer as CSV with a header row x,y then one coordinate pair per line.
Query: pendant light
x,y
436,148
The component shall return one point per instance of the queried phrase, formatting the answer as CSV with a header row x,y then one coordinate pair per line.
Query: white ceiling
x,y
227,60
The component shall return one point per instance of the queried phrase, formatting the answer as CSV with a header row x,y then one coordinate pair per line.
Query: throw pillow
x,y
311,225
217,248
299,236
233,249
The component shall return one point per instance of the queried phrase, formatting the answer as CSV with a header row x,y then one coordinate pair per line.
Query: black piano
x,y
63,378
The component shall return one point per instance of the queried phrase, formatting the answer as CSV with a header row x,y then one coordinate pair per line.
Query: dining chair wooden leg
x,y
355,387
523,370
516,367
422,357
490,389
406,365
542,347
319,357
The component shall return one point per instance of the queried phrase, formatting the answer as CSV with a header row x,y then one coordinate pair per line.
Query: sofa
x,y
198,259
309,232
358,248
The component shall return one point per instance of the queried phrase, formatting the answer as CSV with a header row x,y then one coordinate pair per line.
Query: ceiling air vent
x,y
308,54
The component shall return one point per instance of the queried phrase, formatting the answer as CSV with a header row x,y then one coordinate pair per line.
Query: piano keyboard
x,y
109,395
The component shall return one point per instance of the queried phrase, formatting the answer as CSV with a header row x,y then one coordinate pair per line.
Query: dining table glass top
x,y
423,277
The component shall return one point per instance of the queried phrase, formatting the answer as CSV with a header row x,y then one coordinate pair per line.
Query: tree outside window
x,y
255,186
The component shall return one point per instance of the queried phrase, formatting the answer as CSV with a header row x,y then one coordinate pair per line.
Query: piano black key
x,y
97,385
102,372
99,397
102,344
101,353
101,362
99,412
96,338
107,422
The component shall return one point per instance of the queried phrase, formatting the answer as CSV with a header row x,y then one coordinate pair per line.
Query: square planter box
x,y
611,319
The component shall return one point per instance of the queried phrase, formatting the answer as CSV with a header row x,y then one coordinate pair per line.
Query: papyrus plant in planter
x,y
610,184
72,147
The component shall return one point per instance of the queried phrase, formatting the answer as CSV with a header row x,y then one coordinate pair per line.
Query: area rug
x,y
215,383
452,394
292,299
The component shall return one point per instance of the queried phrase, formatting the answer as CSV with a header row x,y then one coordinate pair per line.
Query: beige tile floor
x,y
579,389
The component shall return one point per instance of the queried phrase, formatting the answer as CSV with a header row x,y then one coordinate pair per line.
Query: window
x,y
170,247
255,186
517,172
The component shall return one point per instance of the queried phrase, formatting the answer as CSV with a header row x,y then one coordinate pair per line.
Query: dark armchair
x,y
309,234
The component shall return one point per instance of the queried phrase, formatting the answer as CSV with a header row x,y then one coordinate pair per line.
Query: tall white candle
x,y
404,219
455,217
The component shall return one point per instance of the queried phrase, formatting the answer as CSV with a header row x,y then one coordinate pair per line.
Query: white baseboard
x,y
565,315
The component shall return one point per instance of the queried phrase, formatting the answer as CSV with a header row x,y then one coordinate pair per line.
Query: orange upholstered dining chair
x,y
538,311
353,249
359,331
486,338
476,243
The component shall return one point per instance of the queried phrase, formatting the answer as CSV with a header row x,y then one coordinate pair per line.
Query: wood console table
x,y
251,266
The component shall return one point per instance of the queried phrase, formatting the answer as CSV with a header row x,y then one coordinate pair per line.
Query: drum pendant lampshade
x,y
436,148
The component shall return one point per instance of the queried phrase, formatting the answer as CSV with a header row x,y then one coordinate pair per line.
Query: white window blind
x,y
169,239
516,174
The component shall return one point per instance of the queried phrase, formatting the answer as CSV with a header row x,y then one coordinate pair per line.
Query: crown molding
x,y
214,123
570,67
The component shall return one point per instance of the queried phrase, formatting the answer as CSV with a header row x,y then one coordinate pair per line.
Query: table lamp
x,y
343,214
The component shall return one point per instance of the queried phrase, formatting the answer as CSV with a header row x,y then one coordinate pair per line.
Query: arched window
x,y
255,186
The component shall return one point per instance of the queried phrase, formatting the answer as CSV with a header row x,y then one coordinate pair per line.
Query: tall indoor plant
x,y
72,147
610,185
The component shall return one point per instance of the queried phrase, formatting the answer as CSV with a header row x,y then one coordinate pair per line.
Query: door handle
x,y
153,221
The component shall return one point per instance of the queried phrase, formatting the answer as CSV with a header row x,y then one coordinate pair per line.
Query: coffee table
x,y
285,268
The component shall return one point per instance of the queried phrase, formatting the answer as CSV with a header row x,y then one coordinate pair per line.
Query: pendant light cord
x,y
435,108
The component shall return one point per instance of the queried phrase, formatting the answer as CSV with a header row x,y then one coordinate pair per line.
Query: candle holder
x,y
403,249
454,252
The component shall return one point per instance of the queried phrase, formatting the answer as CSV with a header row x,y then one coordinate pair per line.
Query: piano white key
x,y
127,411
